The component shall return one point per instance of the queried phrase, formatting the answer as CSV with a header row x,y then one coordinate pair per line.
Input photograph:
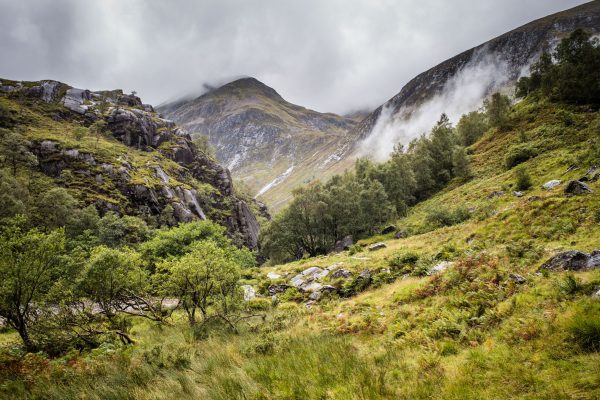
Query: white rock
x,y
249,292
272,275
444,265
551,184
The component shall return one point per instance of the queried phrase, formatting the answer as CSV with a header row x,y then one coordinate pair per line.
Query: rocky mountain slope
x,y
268,143
505,57
114,152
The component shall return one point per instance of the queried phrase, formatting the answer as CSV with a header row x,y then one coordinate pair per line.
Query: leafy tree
x,y
496,109
460,163
30,265
203,145
14,196
14,150
54,208
471,127
206,282
115,231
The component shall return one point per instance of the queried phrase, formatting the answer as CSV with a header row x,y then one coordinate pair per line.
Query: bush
x,y
597,215
569,285
355,248
585,329
439,217
518,154
523,178
403,263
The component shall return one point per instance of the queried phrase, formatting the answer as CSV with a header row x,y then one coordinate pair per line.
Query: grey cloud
x,y
334,55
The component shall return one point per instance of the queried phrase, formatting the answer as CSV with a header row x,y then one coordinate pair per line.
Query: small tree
x,y
496,109
460,162
29,267
14,150
205,280
523,180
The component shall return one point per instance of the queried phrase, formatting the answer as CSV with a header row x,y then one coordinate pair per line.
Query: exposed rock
x,y
444,265
517,193
311,287
519,279
273,276
572,260
596,294
377,246
274,289
401,234
551,184
531,199
365,276
305,279
498,193
577,188
343,244
249,292
388,229
341,273
315,296
74,100
329,289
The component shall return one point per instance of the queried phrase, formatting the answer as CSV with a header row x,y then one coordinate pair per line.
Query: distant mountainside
x,y
274,146
111,151
268,143
502,60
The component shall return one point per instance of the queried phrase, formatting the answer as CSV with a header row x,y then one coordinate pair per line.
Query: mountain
x,y
269,144
491,66
114,152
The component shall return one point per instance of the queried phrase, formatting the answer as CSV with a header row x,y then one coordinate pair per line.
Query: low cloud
x,y
463,93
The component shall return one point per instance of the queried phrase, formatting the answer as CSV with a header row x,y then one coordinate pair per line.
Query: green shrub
x,y
355,248
597,215
383,277
403,262
292,294
523,179
569,285
585,329
518,154
440,217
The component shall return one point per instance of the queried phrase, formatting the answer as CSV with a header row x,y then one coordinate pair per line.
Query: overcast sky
x,y
329,55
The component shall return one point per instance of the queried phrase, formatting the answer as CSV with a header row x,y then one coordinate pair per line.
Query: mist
x,y
464,92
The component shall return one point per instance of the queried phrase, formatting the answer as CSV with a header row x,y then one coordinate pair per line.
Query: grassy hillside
x,y
472,331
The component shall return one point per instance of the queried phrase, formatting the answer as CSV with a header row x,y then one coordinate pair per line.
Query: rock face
x,y
308,280
573,260
577,188
176,173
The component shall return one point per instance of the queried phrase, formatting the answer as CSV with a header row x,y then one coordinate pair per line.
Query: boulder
x,y
596,294
444,265
315,296
365,276
577,188
341,273
249,292
517,278
343,244
531,199
498,193
572,260
377,246
551,184
388,229
401,234
517,193
274,289
272,276
304,279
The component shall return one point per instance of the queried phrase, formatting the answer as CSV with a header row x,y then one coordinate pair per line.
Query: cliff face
x,y
268,143
126,158
515,50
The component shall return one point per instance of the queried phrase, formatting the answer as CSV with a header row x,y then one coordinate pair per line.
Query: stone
x,y
577,188
572,260
249,292
274,289
517,278
365,276
498,193
377,246
304,279
444,265
531,199
273,276
401,234
596,294
551,184
517,193
315,296
341,273
388,229
343,244
74,100
329,289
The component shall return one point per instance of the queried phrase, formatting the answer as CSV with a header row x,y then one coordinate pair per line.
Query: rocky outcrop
x,y
343,244
577,188
117,182
573,260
